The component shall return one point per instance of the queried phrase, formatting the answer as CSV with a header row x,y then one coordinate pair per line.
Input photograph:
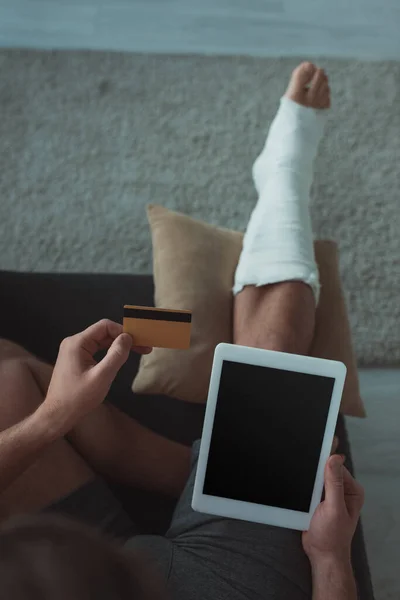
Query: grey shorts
x,y
96,505
203,556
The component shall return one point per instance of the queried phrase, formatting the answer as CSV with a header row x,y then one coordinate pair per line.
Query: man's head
x,y
46,558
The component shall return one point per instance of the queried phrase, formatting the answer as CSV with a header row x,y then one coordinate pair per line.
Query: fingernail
x,y
343,457
142,349
126,337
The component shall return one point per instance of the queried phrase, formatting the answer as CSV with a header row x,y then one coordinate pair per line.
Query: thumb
x,y
334,486
116,356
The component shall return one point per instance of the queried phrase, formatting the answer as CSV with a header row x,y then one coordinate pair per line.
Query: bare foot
x,y
309,86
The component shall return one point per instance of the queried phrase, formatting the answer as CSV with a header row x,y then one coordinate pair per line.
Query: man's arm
x,y
328,541
78,385
333,579
22,444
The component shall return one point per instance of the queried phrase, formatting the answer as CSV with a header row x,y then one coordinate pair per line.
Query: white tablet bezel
x,y
258,513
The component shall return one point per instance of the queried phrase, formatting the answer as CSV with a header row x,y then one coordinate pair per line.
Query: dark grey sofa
x,y
38,310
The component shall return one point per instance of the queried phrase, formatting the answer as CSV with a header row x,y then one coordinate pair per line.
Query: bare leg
x,y
277,317
124,451
60,469
112,443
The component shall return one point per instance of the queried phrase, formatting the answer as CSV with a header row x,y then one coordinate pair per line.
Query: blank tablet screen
x,y
267,435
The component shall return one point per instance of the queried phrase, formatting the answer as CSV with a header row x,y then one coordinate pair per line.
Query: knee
x,y
15,363
12,359
18,397
24,380
15,372
11,351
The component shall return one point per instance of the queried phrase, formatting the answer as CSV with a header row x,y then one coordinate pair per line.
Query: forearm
x,y
333,579
22,444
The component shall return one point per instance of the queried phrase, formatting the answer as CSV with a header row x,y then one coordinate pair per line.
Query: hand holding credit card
x,y
158,327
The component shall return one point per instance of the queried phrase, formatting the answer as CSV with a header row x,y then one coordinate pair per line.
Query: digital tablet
x,y
267,434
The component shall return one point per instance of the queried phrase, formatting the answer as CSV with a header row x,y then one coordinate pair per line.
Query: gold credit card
x,y
158,327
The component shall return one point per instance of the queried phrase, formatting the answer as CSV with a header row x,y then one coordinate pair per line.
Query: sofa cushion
x,y
194,266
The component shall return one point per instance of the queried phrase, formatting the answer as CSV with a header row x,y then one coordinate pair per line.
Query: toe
x,y
319,78
323,100
326,101
322,89
323,95
318,83
300,80
304,73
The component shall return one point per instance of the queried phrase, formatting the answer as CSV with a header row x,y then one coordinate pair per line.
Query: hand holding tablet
x,y
335,520
268,431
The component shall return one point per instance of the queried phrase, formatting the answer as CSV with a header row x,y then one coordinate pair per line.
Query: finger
x,y
103,329
334,485
116,356
142,349
335,444
353,494
99,335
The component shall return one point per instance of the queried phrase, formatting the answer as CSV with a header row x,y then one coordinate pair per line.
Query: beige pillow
x,y
194,266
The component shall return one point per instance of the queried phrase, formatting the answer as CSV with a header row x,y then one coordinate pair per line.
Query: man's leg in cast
x,y
276,282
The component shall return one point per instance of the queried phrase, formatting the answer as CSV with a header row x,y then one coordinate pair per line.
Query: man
x,y
59,443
